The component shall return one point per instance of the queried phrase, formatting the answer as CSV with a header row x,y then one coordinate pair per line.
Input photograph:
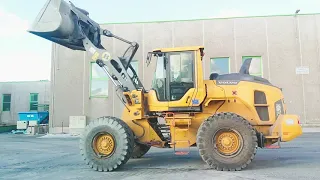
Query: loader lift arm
x,y
65,24
116,69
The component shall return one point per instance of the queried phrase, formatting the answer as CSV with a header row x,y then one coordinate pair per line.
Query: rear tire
x,y
139,150
106,144
226,150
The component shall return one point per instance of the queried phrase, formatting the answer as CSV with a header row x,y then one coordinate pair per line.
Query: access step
x,y
176,152
181,129
273,147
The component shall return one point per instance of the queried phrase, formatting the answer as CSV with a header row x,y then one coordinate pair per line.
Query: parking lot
x,y
36,157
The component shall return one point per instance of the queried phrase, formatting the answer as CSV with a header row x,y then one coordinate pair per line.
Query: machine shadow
x,y
265,159
276,158
167,160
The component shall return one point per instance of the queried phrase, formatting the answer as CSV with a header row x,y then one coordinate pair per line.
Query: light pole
x,y
297,24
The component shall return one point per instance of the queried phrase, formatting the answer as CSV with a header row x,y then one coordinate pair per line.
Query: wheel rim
x,y
227,143
104,144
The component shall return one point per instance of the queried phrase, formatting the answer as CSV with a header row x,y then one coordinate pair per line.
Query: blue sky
x,y
26,57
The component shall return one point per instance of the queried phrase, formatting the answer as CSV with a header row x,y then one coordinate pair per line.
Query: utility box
x,y
77,124
33,130
33,123
43,129
22,125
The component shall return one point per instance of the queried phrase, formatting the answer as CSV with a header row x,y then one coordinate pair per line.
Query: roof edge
x,y
203,19
179,48
3,82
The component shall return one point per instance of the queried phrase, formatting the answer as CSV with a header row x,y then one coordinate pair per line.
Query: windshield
x,y
181,68
174,75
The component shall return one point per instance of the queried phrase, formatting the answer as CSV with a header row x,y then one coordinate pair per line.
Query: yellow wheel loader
x,y
226,117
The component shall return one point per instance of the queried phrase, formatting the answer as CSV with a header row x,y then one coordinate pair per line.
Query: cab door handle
x,y
187,99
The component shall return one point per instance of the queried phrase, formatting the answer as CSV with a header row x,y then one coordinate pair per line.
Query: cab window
x,y
181,73
159,79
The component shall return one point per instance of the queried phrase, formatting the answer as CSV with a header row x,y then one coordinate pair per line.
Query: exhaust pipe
x,y
65,24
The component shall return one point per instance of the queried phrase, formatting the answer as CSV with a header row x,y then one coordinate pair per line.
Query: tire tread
x,y
127,135
207,125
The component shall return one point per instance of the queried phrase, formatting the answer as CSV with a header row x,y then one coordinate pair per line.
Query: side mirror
x,y
149,56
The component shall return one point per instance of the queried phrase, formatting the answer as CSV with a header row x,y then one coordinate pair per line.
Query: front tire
x,y
106,144
227,142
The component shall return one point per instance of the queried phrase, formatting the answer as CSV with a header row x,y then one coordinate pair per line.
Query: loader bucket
x,y
58,21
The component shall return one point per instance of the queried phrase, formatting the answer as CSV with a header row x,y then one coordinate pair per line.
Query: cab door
x,y
182,83
157,95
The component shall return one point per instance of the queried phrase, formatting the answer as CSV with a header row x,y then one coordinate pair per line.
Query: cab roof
x,y
184,48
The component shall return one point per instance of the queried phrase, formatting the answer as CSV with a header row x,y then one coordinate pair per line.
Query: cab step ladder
x,y
176,128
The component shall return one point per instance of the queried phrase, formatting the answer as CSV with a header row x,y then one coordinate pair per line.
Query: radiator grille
x,y
260,97
261,105
263,113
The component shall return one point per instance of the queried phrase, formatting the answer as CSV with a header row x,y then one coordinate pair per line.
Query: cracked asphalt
x,y
33,157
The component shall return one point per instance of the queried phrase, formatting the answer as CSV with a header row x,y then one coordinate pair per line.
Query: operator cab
x,y
176,77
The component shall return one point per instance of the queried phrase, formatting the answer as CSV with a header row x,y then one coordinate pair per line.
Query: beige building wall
x,y
283,43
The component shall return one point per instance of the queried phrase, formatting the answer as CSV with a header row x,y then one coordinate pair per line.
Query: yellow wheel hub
x,y
227,142
104,144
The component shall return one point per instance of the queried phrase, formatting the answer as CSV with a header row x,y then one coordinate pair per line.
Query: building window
x,y
255,66
6,102
43,107
135,65
98,81
34,101
46,107
220,65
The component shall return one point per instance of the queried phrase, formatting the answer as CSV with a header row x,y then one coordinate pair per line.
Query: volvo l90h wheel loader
x,y
226,117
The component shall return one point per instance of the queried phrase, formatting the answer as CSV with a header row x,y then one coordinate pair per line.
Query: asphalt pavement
x,y
57,157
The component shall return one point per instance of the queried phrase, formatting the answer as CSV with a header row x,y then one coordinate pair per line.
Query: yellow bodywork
x,y
238,98
286,127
